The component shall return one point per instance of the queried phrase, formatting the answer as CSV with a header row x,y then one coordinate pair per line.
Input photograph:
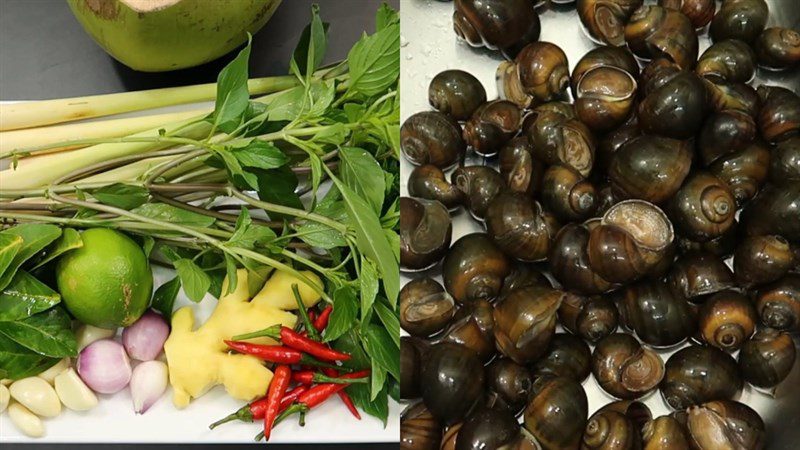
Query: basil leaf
x,y
164,297
277,186
334,134
19,362
349,343
249,236
26,296
379,407
390,320
260,154
377,379
121,195
394,242
147,245
236,173
172,214
386,16
310,50
217,277
195,282
9,247
70,240
35,237
232,92
375,61
230,271
47,333
361,172
380,348
368,279
319,235
287,104
345,310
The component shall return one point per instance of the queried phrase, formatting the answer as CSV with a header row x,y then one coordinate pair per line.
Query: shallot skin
x,y
104,366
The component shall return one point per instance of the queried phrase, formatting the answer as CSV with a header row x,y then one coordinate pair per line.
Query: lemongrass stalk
x,y
10,140
14,116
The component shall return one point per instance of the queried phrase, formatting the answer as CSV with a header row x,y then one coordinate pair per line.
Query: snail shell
x,y
429,182
452,381
542,72
650,167
704,208
519,227
591,318
739,19
487,428
473,328
566,356
779,117
723,94
523,275
425,307
785,161
664,433
653,30
425,233
431,137
491,126
505,25
727,320
456,93
604,56
775,210
744,170
659,316
767,358
725,424
699,12
569,262
449,437
624,368
567,194
725,132
419,430
778,48
474,268
604,97
674,105
762,259
778,304
525,321
508,385
557,138
699,273
605,20
479,186
730,59
519,169
722,246
608,429
556,414
410,366
699,374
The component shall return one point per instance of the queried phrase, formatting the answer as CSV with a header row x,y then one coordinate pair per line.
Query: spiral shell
x,y
650,167
425,307
727,320
505,25
699,273
591,318
605,20
744,171
699,12
431,137
778,304
479,185
725,424
767,358
519,227
604,97
762,259
429,182
779,117
456,93
419,430
699,374
525,321
778,48
567,194
557,138
730,59
604,56
491,126
653,30
739,19
659,316
704,208
474,268
624,368
557,412
569,261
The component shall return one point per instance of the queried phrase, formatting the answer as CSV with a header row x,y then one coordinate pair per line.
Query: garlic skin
x,y
5,397
50,374
73,392
36,395
86,334
25,421
148,383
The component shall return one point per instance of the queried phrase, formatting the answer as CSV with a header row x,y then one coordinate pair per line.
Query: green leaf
x,y
345,311
379,407
375,61
380,347
316,172
19,362
277,186
320,235
70,240
232,94
25,296
195,282
369,285
350,343
164,297
361,172
47,333
394,242
260,154
217,277
310,50
322,94
147,245
390,320
35,237
236,173
377,380
250,236
230,270
334,134
385,17
9,246
287,105
124,196
172,214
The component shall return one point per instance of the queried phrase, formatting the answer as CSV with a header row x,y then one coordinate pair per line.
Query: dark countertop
x,y
44,53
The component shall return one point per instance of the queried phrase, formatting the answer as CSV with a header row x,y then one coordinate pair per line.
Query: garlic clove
x,y
25,421
36,395
73,392
148,383
5,397
86,334
50,374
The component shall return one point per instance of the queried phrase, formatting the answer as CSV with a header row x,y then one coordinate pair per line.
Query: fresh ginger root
x,y
277,291
199,360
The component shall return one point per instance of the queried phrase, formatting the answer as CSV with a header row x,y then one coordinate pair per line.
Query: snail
x,y
518,168
730,59
431,137
519,226
425,307
699,374
419,430
778,48
699,12
604,56
473,328
410,365
605,20
591,318
778,304
650,168
539,73
569,261
664,433
767,358
479,185
613,141
784,164
566,356
508,385
774,210
429,182
567,194
505,25
725,424
474,268
557,138
739,19
703,208
425,233
779,117
744,170
523,275
724,94
525,322
604,97
721,246
616,426
762,259
624,368
452,381
699,273
727,320
557,412
658,315
491,126
723,133
653,30
487,428
674,103
456,93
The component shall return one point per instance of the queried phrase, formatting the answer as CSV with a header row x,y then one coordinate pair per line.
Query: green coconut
x,y
162,35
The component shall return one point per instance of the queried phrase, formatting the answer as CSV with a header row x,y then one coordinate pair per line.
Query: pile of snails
x,y
646,199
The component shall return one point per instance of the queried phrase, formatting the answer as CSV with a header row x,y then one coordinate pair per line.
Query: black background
x,y
44,53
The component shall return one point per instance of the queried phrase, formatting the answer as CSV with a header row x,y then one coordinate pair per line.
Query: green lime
x,y
107,282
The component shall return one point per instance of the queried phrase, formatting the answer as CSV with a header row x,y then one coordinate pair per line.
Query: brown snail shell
x,y
699,12
739,19
567,194
425,307
744,170
431,137
725,132
429,182
725,424
569,262
508,385
474,268
613,141
653,30
410,365
730,59
540,73
449,437
703,208
419,430
557,412
664,433
604,97
609,429
767,358
425,233
778,48
650,167
624,368
456,93
727,320
659,316
519,169
566,356
775,210
505,25
525,321
605,20
604,56
606,196
695,375
491,126
778,304
779,117
479,185
452,381
785,161
591,318
523,275
519,227
674,106
473,328
762,259
559,139
722,246
488,428
699,273
723,94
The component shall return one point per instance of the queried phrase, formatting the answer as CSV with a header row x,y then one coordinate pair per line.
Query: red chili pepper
x,y
344,396
277,354
294,340
291,396
312,316
309,377
321,322
247,413
277,387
